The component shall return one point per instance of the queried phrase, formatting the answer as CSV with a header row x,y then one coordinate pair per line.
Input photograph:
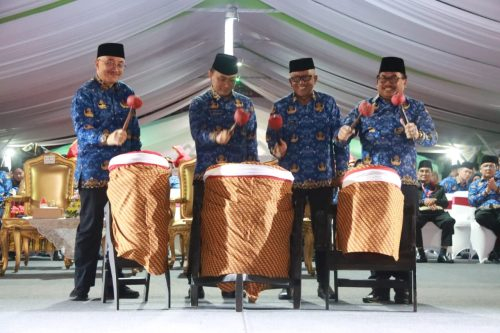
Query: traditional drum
x,y
139,191
370,211
247,220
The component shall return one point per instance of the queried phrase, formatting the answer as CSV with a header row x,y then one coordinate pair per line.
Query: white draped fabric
x,y
451,49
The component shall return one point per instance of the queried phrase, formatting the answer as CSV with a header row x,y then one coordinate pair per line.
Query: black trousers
x,y
195,236
407,243
320,200
442,220
88,236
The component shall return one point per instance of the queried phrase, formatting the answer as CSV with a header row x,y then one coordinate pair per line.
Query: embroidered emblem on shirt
x,y
295,168
396,160
291,109
294,138
371,130
238,103
320,136
88,126
214,105
367,159
322,167
221,159
318,107
399,130
88,113
123,104
104,165
101,105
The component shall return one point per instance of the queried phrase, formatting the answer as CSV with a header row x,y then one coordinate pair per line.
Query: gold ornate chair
x,y
182,226
48,176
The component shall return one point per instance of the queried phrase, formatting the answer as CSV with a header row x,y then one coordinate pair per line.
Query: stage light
x,y
231,16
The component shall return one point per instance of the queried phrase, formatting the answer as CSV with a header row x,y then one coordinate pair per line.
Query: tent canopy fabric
x,y
451,50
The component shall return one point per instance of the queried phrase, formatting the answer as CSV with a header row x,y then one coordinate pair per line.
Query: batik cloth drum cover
x,y
247,220
139,192
370,211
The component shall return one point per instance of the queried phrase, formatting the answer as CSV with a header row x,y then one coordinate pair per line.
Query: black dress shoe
x,y
443,258
285,294
201,293
322,293
374,298
124,292
422,259
57,256
78,295
402,298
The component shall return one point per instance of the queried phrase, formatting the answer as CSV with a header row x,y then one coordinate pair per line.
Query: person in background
x,y
5,188
17,181
211,116
461,181
306,146
389,138
99,109
432,204
484,194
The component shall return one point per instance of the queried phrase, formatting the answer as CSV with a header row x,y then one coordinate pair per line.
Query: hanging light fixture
x,y
231,16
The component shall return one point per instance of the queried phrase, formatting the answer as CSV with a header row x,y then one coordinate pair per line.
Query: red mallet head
x,y
241,117
134,102
366,109
398,99
275,122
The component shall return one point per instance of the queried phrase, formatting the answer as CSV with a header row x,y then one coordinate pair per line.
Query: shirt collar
x,y
216,96
314,96
103,85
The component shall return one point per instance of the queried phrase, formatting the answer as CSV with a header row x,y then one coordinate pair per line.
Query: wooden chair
x,y
182,226
48,176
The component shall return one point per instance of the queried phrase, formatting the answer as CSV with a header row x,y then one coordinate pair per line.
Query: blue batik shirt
x,y
451,185
383,138
97,110
312,155
5,187
478,196
210,112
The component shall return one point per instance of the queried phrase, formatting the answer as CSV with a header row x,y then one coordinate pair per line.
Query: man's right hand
x,y
280,149
117,138
345,133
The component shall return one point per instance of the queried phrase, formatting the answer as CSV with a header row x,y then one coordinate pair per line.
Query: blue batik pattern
x,y
210,112
451,185
478,196
312,155
96,111
383,138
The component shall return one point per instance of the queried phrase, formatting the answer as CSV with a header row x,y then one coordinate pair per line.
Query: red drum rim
x,y
371,173
248,170
144,157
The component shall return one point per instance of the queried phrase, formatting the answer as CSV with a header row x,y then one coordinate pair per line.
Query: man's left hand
x,y
411,131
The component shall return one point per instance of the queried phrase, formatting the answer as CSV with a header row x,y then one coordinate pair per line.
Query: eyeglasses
x,y
110,64
303,78
392,79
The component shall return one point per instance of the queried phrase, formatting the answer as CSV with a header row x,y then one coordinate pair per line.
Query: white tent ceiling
x,y
451,49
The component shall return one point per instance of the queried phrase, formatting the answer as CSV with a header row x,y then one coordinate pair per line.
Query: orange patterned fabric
x,y
139,197
246,228
370,218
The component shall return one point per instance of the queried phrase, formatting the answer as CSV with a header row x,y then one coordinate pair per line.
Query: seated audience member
x,y
17,181
461,181
5,187
484,194
432,202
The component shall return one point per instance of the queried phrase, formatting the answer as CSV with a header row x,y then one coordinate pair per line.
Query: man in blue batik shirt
x,y
389,138
306,146
211,117
484,194
5,187
461,181
98,111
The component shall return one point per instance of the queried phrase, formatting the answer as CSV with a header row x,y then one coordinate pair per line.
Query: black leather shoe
x,y
201,293
422,259
124,292
374,298
322,293
231,294
78,295
285,294
443,258
57,256
402,298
